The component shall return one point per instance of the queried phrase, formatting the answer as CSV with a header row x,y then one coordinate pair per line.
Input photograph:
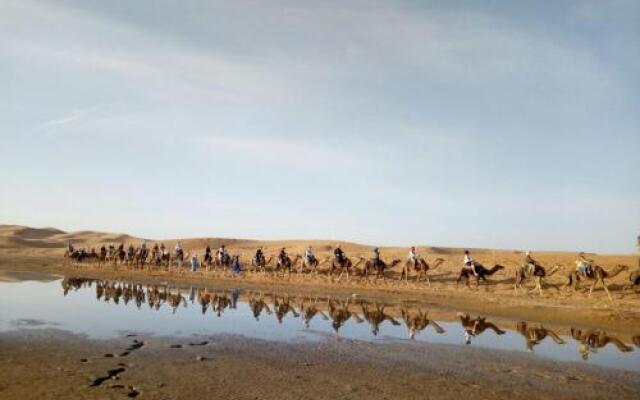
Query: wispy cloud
x,y
74,116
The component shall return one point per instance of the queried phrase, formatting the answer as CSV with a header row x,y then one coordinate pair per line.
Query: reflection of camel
x,y
475,327
375,316
538,275
589,341
597,274
257,304
418,322
282,307
481,273
535,335
339,313
309,309
422,267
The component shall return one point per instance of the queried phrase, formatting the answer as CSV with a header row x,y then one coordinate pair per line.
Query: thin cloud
x,y
71,118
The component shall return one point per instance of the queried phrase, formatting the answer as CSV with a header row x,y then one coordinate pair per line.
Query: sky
x,y
474,124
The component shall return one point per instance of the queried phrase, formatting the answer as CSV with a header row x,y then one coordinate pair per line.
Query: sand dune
x,y
51,241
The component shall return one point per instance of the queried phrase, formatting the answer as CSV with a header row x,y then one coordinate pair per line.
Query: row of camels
x,y
334,310
136,258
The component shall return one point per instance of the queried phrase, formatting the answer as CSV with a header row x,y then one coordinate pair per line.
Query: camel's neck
x,y
615,272
494,269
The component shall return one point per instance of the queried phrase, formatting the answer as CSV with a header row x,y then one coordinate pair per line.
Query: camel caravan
x,y
333,310
160,257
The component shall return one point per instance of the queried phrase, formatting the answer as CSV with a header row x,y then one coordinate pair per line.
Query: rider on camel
x,y
529,263
413,257
309,256
259,255
468,261
222,253
282,256
583,265
375,256
338,253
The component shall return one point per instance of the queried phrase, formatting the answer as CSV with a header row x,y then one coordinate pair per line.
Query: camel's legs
x,y
539,285
604,285
593,285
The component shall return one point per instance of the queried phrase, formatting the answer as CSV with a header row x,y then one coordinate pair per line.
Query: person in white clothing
x,y
413,256
309,256
468,261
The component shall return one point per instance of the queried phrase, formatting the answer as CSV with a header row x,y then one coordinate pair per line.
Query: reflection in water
x,y
418,321
535,335
476,326
339,311
591,340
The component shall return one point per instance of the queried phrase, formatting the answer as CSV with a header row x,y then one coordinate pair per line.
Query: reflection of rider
x,y
468,261
583,265
338,253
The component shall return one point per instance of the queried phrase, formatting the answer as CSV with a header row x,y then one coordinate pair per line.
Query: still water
x,y
105,309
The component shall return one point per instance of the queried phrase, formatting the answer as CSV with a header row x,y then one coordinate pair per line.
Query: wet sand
x,y
50,364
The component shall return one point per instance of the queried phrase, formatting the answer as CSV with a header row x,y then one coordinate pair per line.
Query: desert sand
x,y
47,364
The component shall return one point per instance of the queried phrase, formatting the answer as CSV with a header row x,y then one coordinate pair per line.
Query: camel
x,y
178,258
535,335
379,266
260,264
140,257
589,341
311,264
222,260
287,263
422,268
482,273
538,275
475,327
634,278
418,322
636,340
597,274
343,265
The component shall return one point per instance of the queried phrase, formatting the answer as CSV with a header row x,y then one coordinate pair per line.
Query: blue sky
x,y
479,124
